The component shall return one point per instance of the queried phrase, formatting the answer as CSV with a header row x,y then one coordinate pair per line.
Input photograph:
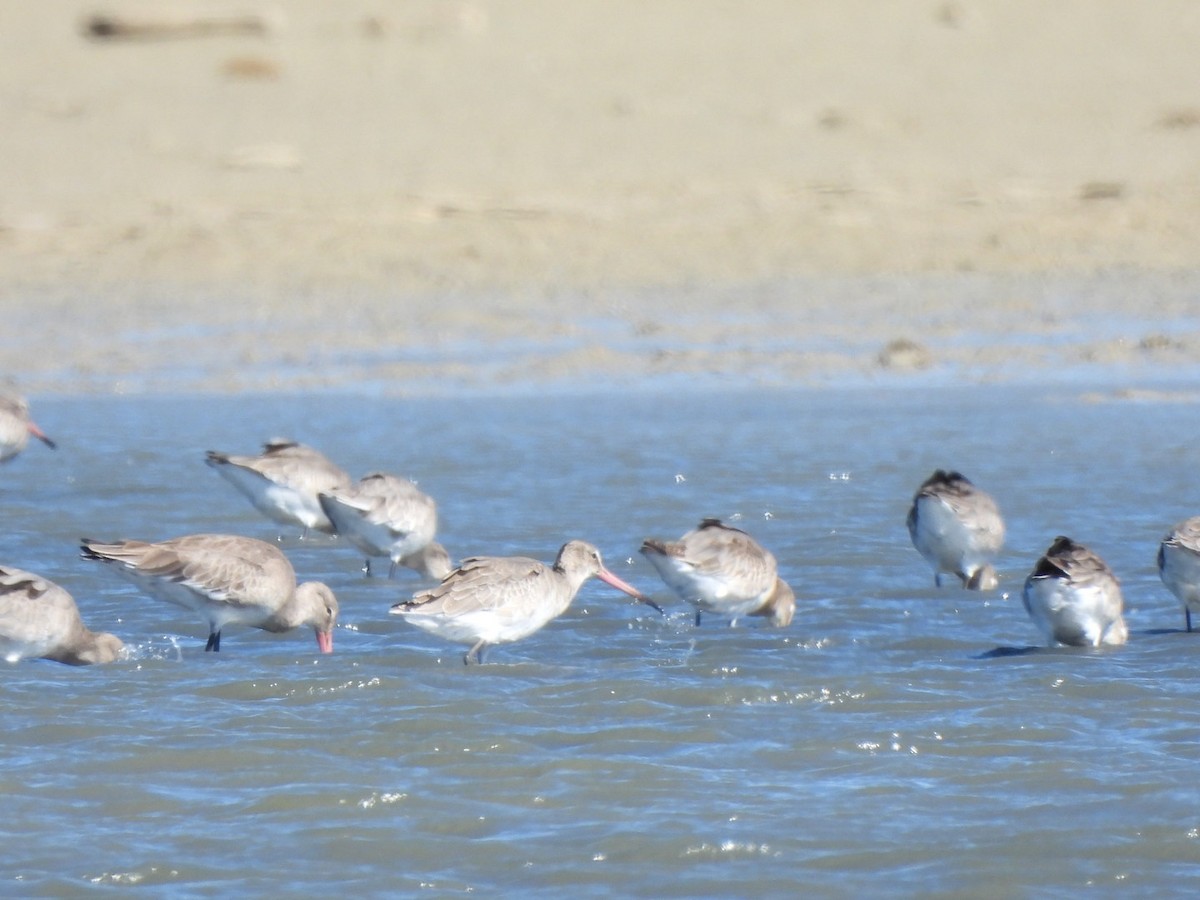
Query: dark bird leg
x,y
214,642
697,618
1187,615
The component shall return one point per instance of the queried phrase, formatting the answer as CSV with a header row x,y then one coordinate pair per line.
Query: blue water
x,y
895,739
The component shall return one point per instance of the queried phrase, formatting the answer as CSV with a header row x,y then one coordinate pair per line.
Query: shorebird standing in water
x,y
1179,565
383,515
16,426
495,600
284,481
39,620
227,579
958,529
1074,598
720,569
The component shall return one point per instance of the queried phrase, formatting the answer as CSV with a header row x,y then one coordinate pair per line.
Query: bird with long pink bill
x,y
227,579
496,600
16,426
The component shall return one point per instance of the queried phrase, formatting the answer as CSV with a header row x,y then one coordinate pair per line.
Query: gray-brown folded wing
x,y
485,583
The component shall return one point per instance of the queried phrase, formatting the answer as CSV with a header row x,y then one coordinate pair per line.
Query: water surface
x,y
895,738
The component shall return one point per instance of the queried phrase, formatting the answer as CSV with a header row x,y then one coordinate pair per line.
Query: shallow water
x,y
896,738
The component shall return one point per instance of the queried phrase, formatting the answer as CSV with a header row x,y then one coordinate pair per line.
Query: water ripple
x,y
896,738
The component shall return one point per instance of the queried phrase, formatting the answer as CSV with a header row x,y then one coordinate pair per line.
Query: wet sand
x,y
437,195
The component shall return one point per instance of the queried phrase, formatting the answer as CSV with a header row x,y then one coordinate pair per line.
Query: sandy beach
x,y
304,195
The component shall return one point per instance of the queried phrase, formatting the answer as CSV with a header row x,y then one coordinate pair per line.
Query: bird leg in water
x,y
475,654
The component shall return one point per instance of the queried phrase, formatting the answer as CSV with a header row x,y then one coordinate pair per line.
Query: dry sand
x,y
424,194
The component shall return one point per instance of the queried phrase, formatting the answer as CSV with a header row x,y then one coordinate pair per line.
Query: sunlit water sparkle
x,y
895,738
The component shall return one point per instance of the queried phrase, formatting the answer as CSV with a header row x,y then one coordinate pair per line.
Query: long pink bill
x,y
325,641
40,435
609,578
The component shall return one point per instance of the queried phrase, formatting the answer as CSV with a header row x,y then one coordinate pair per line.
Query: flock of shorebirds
x,y
1071,594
